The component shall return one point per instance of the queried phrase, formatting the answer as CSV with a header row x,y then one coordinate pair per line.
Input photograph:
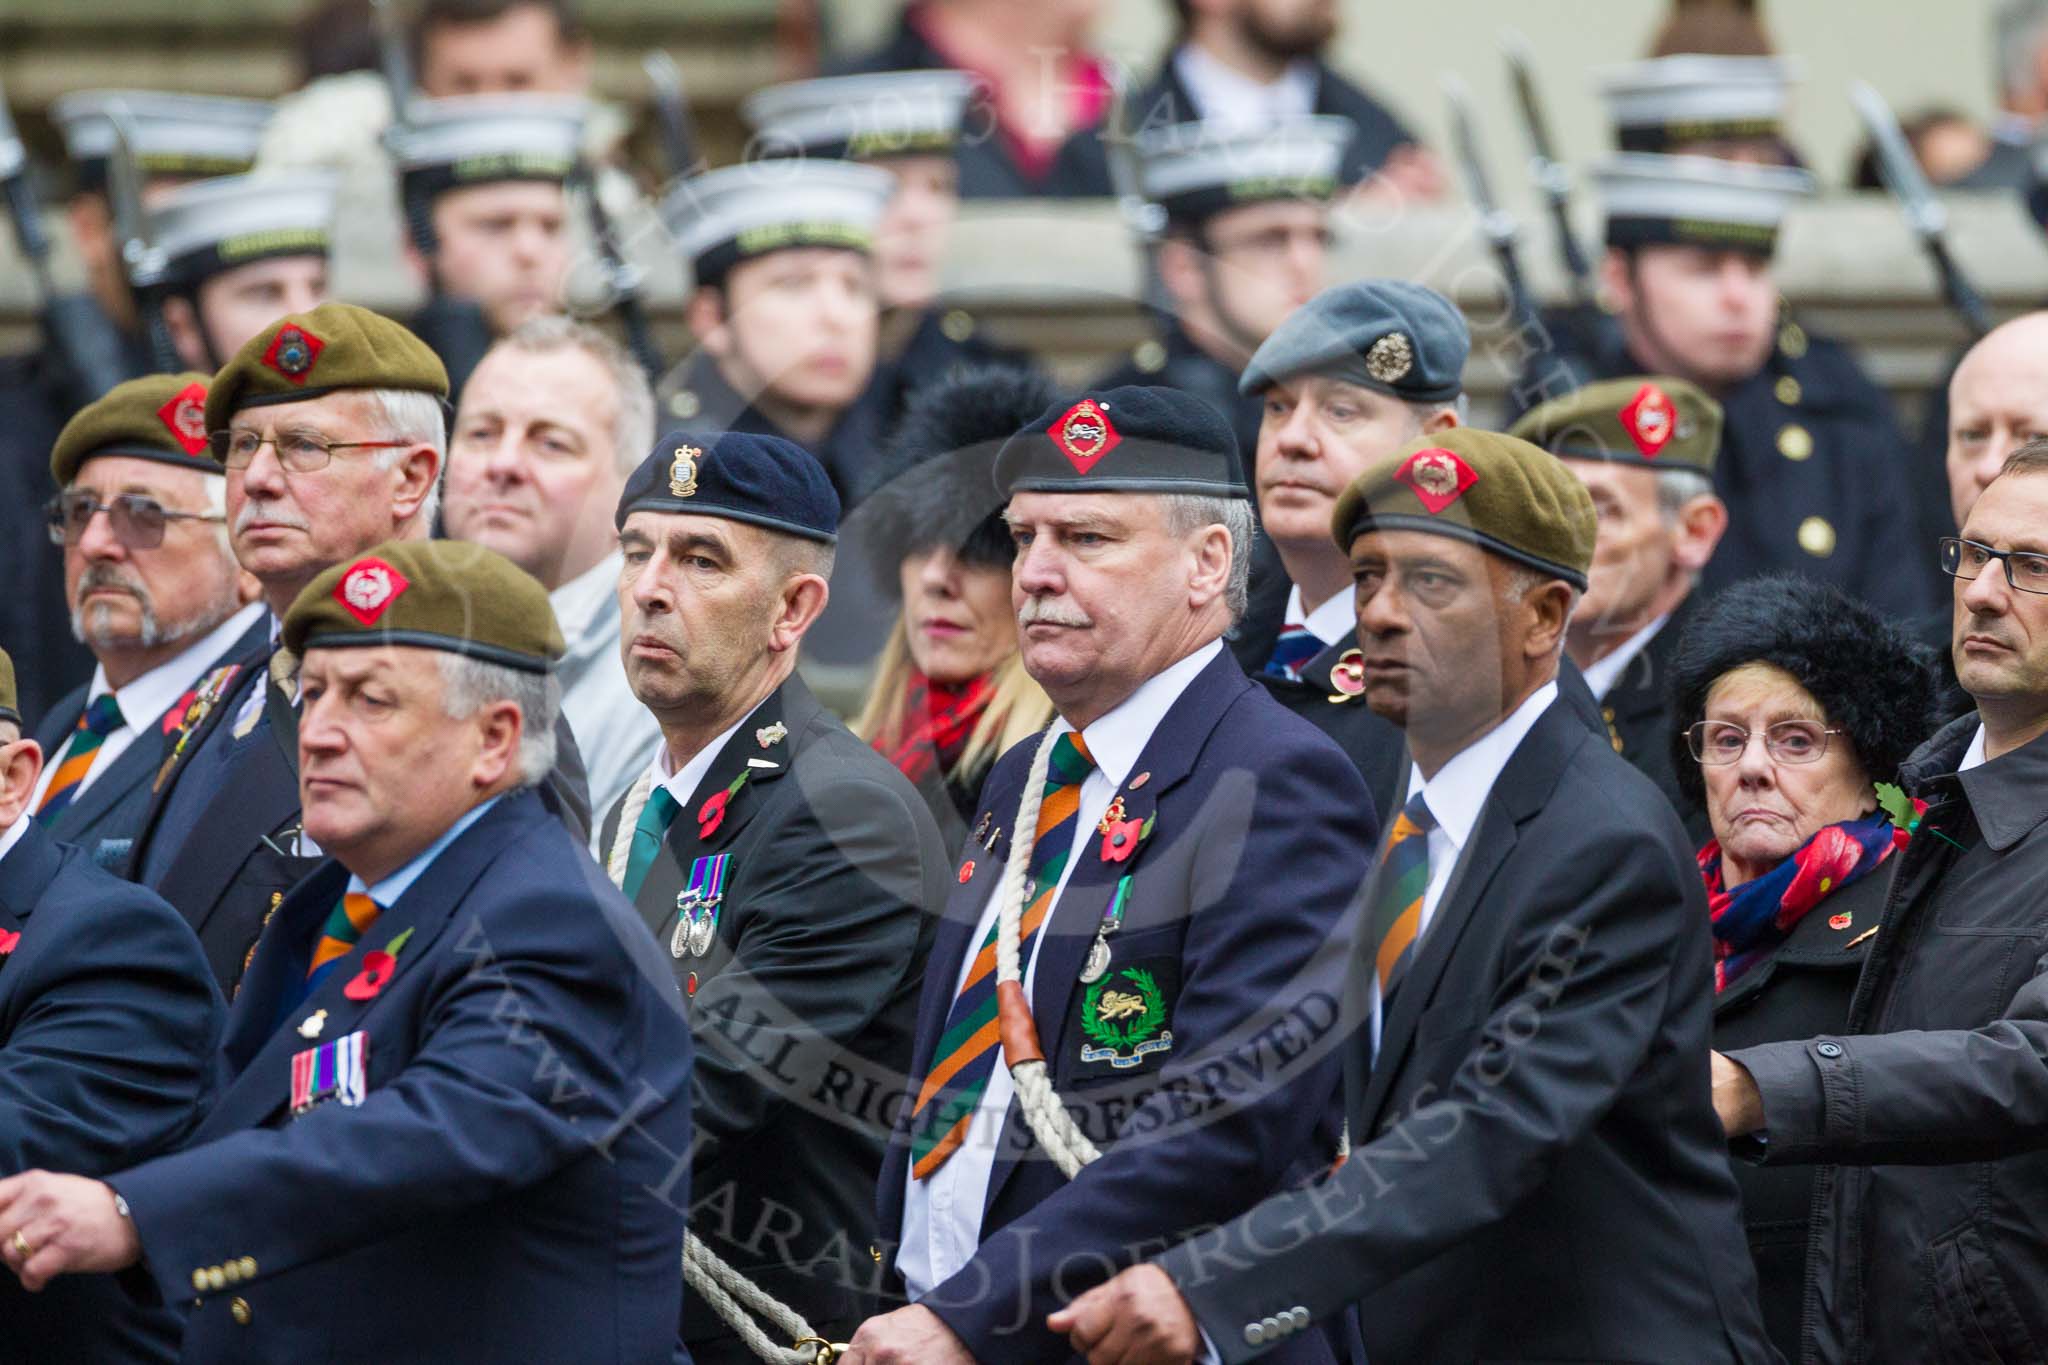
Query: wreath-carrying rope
x,y
731,1295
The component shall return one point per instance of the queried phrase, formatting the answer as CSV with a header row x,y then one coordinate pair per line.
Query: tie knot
x,y
1070,763
102,717
1416,813
360,909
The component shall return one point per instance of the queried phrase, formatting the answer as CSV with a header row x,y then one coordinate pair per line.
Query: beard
x,y
1306,36
96,626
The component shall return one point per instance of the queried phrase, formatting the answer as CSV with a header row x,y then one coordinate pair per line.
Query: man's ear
x,y
801,604
1617,281
1180,270
21,762
1549,608
705,316
1701,523
1443,419
181,320
503,725
1212,566
417,469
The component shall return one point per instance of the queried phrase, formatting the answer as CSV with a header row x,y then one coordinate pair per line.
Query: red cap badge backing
x,y
369,589
293,352
1649,420
1437,476
1085,435
185,416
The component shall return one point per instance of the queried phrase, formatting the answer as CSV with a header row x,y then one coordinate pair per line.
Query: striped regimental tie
x,y
966,1055
101,719
1404,881
346,924
1296,645
648,832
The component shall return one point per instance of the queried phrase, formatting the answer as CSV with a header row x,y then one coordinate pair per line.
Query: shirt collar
x,y
1603,673
1116,738
149,696
387,891
1228,96
1973,757
580,604
682,784
1459,790
1329,622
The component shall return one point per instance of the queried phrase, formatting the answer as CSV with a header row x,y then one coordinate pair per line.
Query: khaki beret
x,y
9,701
309,355
1486,489
1653,421
159,417
439,594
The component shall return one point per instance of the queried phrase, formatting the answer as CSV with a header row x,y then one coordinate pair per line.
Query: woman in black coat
x,y
1797,703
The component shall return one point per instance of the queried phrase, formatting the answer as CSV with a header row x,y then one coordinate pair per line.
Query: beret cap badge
x,y
293,352
1649,418
184,416
1437,476
369,588
1085,435
1390,358
682,472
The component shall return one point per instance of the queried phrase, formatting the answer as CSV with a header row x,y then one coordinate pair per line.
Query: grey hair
x,y
1459,407
1678,486
1187,513
468,684
633,398
416,418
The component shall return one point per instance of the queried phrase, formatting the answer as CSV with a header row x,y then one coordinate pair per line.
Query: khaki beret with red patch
x,y
1494,491
450,595
159,417
1654,421
310,355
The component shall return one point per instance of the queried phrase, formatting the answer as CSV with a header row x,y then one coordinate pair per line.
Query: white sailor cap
x,y
1666,103
1655,200
168,134
729,215
860,118
463,140
1196,169
208,226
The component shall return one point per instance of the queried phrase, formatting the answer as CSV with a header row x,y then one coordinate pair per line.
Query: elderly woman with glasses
x,y
1796,701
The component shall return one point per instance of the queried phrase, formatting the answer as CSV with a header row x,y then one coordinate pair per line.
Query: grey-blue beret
x,y
1399,338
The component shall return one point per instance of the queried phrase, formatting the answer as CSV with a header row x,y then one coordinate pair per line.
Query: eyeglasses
x,y
300,452
2024,572
1789,741
138,521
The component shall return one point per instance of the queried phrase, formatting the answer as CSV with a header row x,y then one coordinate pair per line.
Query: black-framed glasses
x,y
1789,741
300,452
138,520
2024,570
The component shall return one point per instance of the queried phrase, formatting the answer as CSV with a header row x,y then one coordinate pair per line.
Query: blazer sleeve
x,y
1282,860
835,911
113,1058
1582,992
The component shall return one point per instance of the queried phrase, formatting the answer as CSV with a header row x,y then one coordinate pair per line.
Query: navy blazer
x,y
513,1186
105,817
1237,915
86,1087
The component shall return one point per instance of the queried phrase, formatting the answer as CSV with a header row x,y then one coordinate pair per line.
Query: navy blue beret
x,y
765,480
1399,338
1136,439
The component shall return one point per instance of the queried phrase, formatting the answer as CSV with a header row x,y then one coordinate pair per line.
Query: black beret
x,y
1402,339
764,480
1870,678
1135,439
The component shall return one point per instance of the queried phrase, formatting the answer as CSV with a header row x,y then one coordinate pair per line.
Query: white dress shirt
x,y
616,735
942,1214
1238,102
144,701
682,782
1973,757
1603,673
1330,622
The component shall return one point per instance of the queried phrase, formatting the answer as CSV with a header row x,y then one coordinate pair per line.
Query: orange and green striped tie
x,y
1404,881
965,1057
101,719
345,927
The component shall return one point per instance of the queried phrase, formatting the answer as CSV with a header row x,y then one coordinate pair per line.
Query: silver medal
x,y
1097,963
700,934
679,941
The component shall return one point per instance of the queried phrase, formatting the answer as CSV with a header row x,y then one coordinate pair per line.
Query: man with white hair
x,y
551,423
328,425
154,592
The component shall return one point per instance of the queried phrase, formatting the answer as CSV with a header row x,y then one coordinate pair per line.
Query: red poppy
x,y
967,872
175,716
375,975
711,814
8,939
1120,840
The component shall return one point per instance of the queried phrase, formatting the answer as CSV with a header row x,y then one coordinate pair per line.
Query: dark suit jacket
x,y
85,1087
106,815
1237,912
1641,716
803,1006
514,1183
1537,1172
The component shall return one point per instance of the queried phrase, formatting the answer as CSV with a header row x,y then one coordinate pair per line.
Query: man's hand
x,y
914,1335
1137,1318
69,1225
1736,1098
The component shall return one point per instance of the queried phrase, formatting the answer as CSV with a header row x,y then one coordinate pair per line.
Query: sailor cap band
x,y
209,226
1665,103
726,216
858,118
466,140
189,135
1194,170
1655,200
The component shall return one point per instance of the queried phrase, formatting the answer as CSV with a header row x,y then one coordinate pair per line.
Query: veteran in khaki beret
x,y
451,904
1645,447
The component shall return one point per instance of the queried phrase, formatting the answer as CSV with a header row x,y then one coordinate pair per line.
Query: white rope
x,y
1044,1114
731,1295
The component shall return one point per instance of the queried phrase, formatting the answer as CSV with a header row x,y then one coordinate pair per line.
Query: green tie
x,y
648,832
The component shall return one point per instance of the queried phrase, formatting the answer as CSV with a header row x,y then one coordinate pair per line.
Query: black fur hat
x,y
1871,678
943,455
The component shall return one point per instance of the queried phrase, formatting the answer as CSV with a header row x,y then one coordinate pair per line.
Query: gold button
x,y
248,1265
1794,441
199,1280
240,1311
216,1279
1149,356
1817,537
1787,389
683,403
957,324
231,1272
1792,340
1616,742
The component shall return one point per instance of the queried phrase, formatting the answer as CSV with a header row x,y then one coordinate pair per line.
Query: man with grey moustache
x,y
154,593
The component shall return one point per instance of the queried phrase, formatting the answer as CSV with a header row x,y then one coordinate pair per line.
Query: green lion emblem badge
x,y
1123,1013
